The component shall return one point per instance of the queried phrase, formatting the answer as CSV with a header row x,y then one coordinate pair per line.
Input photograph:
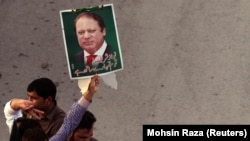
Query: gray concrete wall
x,y
185,62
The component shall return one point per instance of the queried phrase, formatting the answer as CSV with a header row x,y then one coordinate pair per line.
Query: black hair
x,y
26,123
34,134
92,15
44,87
87,121
20,125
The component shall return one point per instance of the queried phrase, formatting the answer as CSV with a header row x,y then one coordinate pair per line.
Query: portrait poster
x,y
78,35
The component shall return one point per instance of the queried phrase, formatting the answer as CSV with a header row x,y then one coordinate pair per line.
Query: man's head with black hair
x,y
84,131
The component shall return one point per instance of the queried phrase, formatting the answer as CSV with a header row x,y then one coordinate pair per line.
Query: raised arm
x,y
78,109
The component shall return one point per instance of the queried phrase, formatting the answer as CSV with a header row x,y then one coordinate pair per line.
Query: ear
x,y
49,100
104,32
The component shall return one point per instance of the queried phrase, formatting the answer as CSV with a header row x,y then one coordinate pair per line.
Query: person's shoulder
x,y
80,53
57,116
59,111
109,46
109,49
79,56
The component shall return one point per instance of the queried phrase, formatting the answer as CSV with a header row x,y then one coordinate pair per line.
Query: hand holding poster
x,y
91,41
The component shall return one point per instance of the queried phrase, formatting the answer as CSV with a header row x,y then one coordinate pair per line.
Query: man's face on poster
x,y
89,34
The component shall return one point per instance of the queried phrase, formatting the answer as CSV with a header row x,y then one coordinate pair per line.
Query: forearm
x,y
14,104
